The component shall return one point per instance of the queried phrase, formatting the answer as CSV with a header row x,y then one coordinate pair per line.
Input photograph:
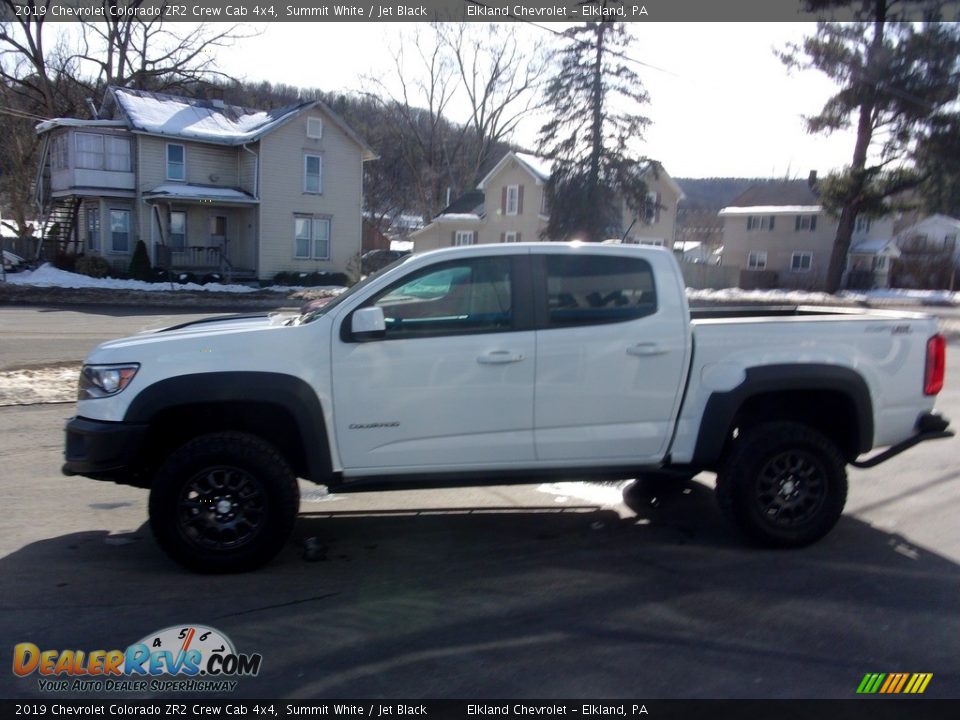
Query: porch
x,y
204,230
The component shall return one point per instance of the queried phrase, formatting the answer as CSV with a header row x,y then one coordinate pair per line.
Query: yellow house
x,y
509,205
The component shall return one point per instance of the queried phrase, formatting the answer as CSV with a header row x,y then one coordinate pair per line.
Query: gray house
x,y
208,186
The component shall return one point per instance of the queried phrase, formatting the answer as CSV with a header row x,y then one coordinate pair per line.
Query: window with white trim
x,y
102,152
880,262
805,222
178,230
93,227
513,199
314,128
176,162
801,262
119,231
312,174
511,237
757,260
760,222
863,224
311,237
463,237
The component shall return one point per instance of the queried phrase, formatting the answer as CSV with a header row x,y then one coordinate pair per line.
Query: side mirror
x,y
368,324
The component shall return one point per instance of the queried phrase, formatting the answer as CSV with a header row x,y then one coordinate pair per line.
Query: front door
x,y
610,361
450,385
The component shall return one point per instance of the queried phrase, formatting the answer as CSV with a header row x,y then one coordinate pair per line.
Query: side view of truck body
x,y
502,363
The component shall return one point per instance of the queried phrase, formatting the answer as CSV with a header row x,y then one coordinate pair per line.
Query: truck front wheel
x,y
225,502
783,484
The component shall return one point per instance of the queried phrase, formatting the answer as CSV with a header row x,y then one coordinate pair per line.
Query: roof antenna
x,y
93,108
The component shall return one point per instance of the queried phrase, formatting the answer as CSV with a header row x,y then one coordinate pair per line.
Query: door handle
x,y
646,350
499,357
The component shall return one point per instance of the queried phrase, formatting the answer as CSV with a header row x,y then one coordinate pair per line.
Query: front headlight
x,y
97,381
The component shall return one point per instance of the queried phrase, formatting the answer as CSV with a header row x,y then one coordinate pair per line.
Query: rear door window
x,y
594,289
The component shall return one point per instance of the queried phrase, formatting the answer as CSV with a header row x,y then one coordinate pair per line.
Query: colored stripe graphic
x,y
870,683
894,683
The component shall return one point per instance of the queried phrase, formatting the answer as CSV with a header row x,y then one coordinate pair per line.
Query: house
x,y
927,254
206,185
780,235
509,205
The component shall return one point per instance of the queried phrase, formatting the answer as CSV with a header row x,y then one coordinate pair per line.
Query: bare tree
x,y
426,81
145,53
442,66
501,76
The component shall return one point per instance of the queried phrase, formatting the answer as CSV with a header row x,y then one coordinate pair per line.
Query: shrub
x,y
65,261
140,262
211,278
93,266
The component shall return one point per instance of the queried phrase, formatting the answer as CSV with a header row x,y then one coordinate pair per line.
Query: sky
x,y
722,104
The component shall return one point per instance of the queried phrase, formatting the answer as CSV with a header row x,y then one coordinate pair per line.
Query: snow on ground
x,y
794,297
49,276
29,386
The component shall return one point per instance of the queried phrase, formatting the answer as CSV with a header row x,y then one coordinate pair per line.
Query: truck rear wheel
x,y
224,503
783,484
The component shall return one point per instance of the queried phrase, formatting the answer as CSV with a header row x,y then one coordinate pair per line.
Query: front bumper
x,y
100,449
930,426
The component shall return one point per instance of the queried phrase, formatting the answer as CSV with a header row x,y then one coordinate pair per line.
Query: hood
x,y
197,331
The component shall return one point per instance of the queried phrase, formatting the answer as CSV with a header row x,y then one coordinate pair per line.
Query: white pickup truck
x,y
494,364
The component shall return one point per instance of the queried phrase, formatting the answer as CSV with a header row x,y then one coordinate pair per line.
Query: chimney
x,y
812,179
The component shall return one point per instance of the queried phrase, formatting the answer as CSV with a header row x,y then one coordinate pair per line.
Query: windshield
x,y
314,313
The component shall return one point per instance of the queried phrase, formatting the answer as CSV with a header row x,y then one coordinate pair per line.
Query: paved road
x,y
562,591
34,336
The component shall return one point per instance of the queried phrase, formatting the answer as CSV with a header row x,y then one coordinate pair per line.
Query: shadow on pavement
x,y
532,602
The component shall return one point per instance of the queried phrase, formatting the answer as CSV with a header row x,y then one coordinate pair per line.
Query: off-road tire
x,y
223,503
783,484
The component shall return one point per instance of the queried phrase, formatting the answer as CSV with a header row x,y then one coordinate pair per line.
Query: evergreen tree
x,y
593,100
140,262
896,81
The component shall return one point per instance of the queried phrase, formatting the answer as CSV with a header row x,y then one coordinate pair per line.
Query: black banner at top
x,y
453,10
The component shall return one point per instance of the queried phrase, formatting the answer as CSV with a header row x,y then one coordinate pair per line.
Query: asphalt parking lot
x,y
560,591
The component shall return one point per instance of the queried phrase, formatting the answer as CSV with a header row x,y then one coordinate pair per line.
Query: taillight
x,y
936,365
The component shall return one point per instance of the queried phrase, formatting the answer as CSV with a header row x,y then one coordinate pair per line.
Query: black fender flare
x,y
286,391
722,407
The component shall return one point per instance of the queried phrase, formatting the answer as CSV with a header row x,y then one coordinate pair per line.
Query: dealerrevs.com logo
x,y
180,658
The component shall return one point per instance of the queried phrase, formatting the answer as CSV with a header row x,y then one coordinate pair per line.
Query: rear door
x,y
450,385
611,357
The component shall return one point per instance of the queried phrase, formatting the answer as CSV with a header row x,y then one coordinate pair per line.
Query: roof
x,y
540,168
931,222
876,247
185,191
470,203
77,122
778,193
195,119
210,121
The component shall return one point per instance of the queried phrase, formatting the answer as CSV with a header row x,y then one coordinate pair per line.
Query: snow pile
x,y
49,276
